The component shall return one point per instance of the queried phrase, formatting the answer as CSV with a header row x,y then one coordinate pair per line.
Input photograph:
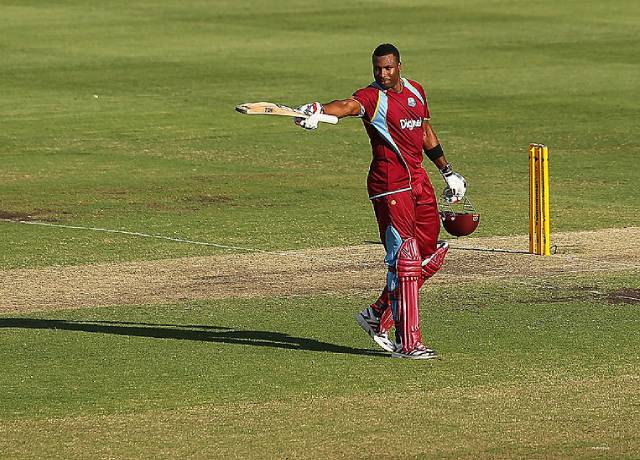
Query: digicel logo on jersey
x,y
410,124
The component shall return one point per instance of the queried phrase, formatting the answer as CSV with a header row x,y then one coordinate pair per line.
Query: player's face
x,y
386,71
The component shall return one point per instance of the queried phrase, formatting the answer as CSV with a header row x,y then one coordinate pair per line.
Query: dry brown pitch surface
x,y
354,269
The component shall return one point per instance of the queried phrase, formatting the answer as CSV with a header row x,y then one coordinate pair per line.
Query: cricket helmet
x,y
459,219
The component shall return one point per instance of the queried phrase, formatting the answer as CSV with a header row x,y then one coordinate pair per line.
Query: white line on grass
x,y
144,235
177,240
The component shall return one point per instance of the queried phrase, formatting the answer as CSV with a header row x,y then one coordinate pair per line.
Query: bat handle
x,y
328,119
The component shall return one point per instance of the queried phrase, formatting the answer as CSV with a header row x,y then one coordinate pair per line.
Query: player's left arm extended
x,y
456,184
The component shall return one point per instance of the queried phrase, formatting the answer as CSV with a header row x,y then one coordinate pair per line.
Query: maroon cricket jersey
x,y
394,124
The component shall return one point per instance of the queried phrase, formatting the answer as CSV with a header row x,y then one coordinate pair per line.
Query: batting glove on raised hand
x,y
313,110
456,185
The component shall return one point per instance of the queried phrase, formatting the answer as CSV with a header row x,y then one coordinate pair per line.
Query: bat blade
x,y
267,108
270,108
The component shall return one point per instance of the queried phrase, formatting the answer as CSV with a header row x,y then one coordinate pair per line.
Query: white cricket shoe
x,y
370,323
419,352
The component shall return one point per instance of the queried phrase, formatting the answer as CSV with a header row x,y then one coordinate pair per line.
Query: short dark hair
x,y
384,49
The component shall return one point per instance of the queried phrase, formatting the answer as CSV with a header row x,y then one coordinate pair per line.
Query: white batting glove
x,y
314,110
456,185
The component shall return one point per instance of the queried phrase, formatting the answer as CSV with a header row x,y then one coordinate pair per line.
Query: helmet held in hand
x,y
460,219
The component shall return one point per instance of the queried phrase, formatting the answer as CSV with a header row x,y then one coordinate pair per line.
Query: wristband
x,y
447,170
434,153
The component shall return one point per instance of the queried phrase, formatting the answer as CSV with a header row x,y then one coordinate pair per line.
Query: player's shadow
x,y
187,332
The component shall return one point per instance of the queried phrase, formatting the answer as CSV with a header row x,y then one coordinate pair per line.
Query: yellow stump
x,y
539,226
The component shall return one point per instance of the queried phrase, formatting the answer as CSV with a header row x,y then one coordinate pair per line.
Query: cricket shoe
x,y
419,352
370,323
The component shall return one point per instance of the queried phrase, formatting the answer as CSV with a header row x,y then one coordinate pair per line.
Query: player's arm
x,y
343,108
340,108
431,146
456,184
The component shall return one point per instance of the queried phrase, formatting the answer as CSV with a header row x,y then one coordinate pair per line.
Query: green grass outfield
x,y
523,373
161,151
119,115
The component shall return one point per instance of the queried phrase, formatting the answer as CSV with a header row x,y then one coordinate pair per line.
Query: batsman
x,y
396,116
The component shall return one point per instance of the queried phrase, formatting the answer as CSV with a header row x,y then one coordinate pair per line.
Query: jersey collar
x,y
380,88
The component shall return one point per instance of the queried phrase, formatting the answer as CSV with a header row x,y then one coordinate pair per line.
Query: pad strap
x,y
434,262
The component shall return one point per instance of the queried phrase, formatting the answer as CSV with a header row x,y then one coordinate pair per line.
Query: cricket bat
x,y
269,108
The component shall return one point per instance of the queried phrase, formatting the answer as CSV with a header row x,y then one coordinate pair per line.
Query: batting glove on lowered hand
x,y
313,110
456,185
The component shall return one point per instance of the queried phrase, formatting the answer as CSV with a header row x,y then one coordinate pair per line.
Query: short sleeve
x,y
368,99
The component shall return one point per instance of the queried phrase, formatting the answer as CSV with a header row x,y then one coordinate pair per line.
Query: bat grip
x,y
328,119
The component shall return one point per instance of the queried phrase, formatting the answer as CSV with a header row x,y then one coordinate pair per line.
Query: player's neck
x,y
397,88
